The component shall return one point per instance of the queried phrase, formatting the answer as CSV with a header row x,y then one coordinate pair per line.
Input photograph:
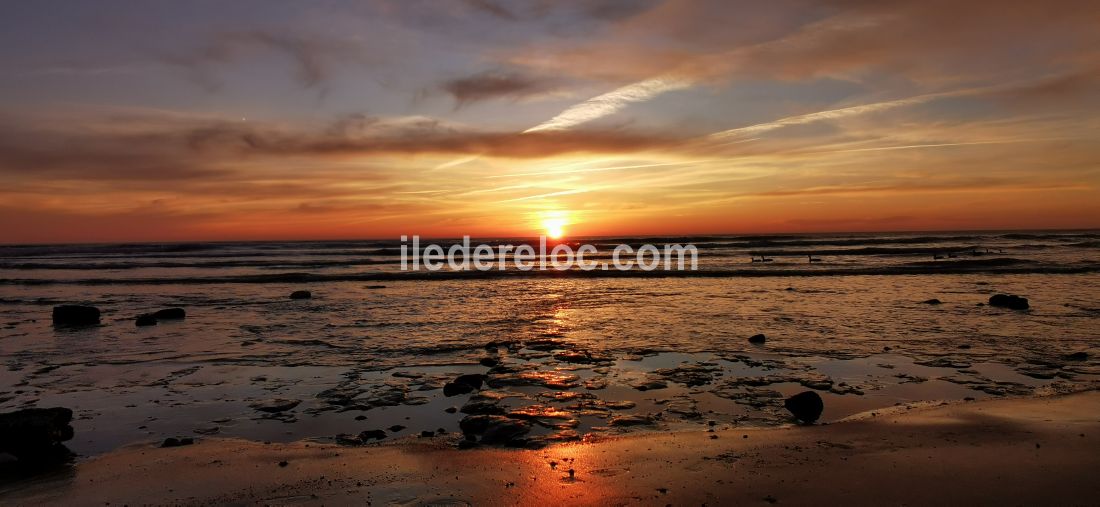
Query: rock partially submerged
x,y
463,384
805,406
170,314
145,319
933,301
1009,301
35,435
301,294
75,315
758,339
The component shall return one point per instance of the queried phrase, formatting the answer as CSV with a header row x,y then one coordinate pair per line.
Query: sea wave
x,y
982,266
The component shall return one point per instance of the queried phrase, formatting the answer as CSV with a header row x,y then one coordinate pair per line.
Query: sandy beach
x,y
1026,451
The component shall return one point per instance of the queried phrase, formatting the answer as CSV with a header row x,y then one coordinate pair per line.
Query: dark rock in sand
x,y
395,428
427,434
368,435
75,315
301,294
1078,356
489,362
758,338
177,442
451,410
275,406
34,435
1009,301
170,314
933,301
806,406
146,319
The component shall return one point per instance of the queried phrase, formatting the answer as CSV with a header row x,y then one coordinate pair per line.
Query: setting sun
x,y
555,227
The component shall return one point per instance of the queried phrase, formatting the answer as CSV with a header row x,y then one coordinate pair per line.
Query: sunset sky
x,y
195,120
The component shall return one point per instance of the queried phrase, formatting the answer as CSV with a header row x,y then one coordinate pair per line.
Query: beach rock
x,y
177,442
34,435
549,379
473,380
806,406
630,420
489,362
275,406
463,384
476,407
495,429
580,356
758,339
1009,301
506,432
1078,356
649,385
395,428
456,389
75,315
427,434
691,375
369,435
933,301
146,319
170,314
301,294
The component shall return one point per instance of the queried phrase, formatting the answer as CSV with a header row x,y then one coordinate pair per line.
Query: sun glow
x,y
555,227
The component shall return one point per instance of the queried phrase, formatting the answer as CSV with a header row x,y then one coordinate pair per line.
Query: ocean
x,y
579,354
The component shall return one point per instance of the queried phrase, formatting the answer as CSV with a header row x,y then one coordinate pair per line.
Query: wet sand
x,y
1026,451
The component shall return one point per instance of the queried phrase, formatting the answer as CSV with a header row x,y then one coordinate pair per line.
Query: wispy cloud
x,y
831,114
553,172
944,145
550,194
611,102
